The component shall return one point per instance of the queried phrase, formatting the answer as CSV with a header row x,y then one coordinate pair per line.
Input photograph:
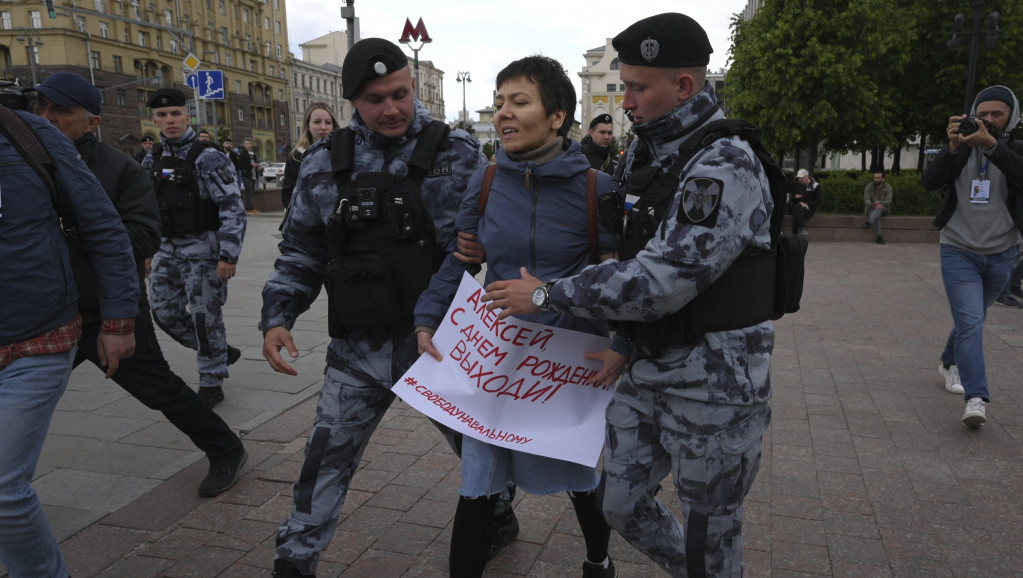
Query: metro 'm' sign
x,y
418,33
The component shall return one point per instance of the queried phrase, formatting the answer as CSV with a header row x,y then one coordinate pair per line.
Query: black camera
x,y
16,97
969,125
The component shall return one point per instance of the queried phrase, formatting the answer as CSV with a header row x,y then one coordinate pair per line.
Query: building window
x,y
245,14
280,51
104,30
143,39
5,20
267,46
277,26
127,35
271,70
248,42
159,43
168,18
228,59
118,65
209,5
252,65
266,23
282,120
277,4
611,87
621,88
282,73
34,17
222,6
238,86
280,94
98,5
174,46
122,99
94,60
241,114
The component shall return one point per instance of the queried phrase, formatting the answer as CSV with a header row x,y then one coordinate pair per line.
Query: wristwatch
x,y
540,296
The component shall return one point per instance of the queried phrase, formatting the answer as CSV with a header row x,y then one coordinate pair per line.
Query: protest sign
x,y
511,383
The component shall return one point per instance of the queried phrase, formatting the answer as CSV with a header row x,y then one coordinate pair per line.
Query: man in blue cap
x,y
203,229
40,327
72,104
980,222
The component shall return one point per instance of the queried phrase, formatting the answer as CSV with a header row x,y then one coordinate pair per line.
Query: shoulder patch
x,y
226,174
701,200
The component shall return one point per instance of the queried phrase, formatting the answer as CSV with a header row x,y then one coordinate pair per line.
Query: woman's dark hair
x,y
550,77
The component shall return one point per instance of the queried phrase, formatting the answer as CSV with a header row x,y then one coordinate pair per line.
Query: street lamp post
x,y
463,79
990,34
31,42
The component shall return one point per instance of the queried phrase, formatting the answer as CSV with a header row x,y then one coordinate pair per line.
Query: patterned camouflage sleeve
x,y
300,270
435,300
720,208
218,178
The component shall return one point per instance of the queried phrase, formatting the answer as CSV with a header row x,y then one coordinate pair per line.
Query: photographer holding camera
x,y
980,221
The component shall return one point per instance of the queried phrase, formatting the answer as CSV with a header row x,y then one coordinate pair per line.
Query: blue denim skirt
x,y
487,469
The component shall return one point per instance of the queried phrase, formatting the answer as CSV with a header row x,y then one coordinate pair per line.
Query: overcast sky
x,y
483,37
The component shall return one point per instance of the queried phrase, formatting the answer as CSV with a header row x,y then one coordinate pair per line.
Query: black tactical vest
x,y
381,244
182,209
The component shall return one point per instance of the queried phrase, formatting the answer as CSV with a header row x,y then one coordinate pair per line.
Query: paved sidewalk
x,y
867,471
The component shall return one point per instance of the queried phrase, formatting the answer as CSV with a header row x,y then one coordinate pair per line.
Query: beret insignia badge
x,y
649,49
380,68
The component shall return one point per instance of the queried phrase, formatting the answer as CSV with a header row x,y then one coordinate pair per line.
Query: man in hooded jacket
x,y
980,222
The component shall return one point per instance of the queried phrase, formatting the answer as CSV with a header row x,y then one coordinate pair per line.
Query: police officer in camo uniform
x,y
696,410
333,239
203,229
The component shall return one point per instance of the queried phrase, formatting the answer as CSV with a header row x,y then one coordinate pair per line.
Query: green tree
x,y
813,71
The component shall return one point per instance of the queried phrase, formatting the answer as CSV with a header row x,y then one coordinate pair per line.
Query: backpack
x,y
591,205
736,299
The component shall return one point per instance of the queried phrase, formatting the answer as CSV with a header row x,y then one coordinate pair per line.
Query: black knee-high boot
x,y
471,536
596,530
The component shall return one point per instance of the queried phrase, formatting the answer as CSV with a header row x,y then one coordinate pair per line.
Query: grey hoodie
x,y
983,228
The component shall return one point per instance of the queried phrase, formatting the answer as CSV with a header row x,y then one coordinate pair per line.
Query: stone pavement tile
x,y
99,546
437,513
91,455
202,562
798,530
839,482
251,490
792,452
164,504
865,423
177,543
799,557
92,490
397,497
242,534
404,538
756,536
846,569
920,567
214,516
755,564
851,524
825,420
857,549
858,503
392,462
380,564
134,566
369,479
836,464
795,507
87,425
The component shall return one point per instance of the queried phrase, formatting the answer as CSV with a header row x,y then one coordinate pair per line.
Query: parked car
x,y
273,171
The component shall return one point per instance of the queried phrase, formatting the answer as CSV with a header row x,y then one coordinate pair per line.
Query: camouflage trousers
x,y
348,412
187,297
713,454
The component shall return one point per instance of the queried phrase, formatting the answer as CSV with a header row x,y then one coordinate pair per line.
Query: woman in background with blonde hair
x,y
318,121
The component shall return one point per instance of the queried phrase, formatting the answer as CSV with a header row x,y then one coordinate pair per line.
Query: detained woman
x,y
319,120
536,216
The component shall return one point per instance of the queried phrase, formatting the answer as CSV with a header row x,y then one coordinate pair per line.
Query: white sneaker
x,y
952,381
976,413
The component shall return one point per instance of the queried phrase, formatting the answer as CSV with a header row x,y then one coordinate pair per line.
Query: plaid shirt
x,y
59,340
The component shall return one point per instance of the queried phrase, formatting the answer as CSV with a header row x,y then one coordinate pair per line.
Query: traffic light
x,y
50,10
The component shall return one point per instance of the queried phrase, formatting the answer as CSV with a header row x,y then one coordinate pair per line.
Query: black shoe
x,y
506,528
285,569
1016,291
598,571
866,225
233,355
224,474
211,396
879,240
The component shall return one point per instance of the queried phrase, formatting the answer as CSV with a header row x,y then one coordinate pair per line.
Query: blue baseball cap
x,y
70,89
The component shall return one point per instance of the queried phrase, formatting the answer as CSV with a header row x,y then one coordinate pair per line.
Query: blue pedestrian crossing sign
x,y
207,84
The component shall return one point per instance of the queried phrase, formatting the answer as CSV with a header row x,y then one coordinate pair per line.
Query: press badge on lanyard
x,y
980,188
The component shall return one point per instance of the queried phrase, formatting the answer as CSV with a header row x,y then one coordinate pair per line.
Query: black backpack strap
x,y
342,159
430,141
27,143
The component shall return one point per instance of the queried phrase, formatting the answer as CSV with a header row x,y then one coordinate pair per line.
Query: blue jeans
x,y
29,390
972,283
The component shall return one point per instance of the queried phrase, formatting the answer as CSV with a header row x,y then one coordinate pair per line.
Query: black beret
x,y
667,40
601,119
368,59
166,97
147,138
